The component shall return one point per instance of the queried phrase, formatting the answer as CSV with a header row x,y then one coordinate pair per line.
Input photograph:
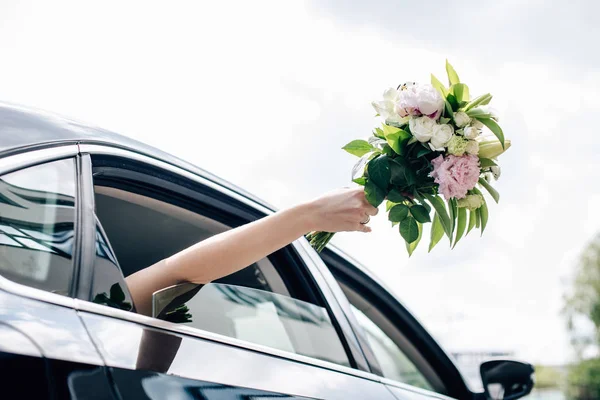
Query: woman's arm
x,y
228,252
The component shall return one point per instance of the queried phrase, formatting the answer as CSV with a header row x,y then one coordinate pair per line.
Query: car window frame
x,y
353,275
236,202
23,158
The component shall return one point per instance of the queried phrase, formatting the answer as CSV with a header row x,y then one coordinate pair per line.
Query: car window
x,y
393,362
37,219
266,303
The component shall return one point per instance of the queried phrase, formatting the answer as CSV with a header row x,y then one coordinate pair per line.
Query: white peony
x,y
470,132
422,128
429,101
441,135
407,100
387,108
461,119
472,147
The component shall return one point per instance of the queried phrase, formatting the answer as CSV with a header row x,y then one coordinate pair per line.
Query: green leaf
x,y
361,181
493,192
482,100
435,82
453,102
410,247
398,213
379,171
460,91
477,219
389,205
437,232
358,148
452,75
453,211
409,229
487,162
461,224
397,140
395,196
420,213
472,218
401,175
494,127
374,194
440,208
378,132
482,211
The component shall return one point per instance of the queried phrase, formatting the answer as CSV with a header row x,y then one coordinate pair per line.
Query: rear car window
x,y
37,222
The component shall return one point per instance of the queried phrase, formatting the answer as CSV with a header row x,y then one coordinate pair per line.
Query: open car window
x,y
269,303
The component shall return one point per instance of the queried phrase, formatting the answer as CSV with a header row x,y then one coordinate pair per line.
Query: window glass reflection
x,y
256,316
37,214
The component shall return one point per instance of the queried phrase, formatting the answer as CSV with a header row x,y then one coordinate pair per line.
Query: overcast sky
x,y
265,93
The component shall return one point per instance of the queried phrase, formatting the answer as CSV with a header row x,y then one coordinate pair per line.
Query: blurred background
x,y
265,93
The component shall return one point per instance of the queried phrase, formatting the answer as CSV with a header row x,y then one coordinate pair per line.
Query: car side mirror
x,y
506,379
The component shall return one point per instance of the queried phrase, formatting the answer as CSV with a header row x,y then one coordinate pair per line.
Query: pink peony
x,y
455,175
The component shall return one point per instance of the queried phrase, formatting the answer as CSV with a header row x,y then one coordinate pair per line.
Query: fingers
x,y
363,228
370,210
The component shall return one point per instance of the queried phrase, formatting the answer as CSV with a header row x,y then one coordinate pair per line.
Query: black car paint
x,y
61,365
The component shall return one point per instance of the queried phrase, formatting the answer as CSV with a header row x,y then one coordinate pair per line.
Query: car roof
x,y
24,128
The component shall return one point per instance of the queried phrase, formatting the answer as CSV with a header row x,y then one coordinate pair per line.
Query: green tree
x,y
582,308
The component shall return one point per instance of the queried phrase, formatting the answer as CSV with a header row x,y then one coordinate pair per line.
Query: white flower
x,y
440,137
429,101
407,101
461,119
475,123
471,132
422,128
472,147
496,171
387,108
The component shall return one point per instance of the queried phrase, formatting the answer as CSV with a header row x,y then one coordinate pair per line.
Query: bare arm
x,y
233,250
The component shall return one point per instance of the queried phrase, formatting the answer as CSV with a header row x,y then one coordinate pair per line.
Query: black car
x,y
82,208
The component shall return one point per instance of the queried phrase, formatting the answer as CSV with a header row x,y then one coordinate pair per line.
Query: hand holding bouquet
x,y
431,144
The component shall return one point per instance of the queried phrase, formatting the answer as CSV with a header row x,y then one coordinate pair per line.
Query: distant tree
x,y
547,377
583,308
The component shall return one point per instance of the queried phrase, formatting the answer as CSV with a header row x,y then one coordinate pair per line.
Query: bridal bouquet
x,y
436,150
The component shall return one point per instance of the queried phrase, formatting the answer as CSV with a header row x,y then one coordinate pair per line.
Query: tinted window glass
x,y
37,214
393,362
253,315
109,287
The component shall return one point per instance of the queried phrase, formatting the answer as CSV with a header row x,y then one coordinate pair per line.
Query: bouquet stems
x,y
318,240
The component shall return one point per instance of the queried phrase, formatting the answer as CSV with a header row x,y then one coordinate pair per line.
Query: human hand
x,y
341,210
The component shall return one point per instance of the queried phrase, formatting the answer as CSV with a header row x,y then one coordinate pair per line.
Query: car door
x,y
400,350
45,351
272,330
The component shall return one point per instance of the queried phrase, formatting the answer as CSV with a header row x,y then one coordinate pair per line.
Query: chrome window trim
x,y
23,160
35,294
414,389
98,309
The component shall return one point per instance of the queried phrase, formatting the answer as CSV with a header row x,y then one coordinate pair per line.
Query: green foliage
x,y
379,171
398,213
494,127
583,380
358,148
547,377
452,75
374,194
409,229
437,232
461,224
493,192
410,247
486,162
420,213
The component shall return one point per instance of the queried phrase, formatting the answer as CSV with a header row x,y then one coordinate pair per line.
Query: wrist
x,y
306,217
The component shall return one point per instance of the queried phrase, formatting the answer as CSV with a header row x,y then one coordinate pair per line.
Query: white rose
x,y
429,101
472,147
422,128
461,119
387,108
441,135
471,132
496,171
475,123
